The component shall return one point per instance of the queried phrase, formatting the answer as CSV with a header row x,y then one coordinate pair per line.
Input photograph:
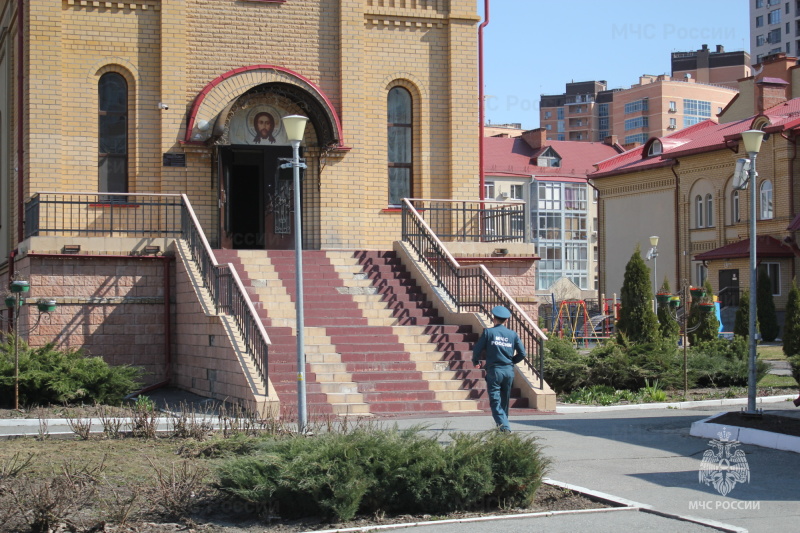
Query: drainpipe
x,y
678,278
20,117
482,180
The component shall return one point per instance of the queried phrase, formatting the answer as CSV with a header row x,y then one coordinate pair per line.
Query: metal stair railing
x,y
227,291
471,288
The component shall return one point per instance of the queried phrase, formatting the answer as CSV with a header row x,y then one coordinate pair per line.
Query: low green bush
x,y
565,369
722,363
336,476
50,376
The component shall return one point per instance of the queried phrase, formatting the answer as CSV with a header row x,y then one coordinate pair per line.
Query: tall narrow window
x,y
735,208
399,145
709,211
112,135
698,211
766,200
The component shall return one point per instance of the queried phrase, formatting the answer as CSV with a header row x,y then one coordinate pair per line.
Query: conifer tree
x,y
791,333
668,326
637,320
765,307
708,324
741,326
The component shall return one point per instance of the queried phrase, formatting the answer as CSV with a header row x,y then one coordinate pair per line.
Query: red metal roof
x,y
766,247
505,156
702,137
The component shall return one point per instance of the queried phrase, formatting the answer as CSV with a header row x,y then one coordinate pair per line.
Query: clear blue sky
x,y
534,47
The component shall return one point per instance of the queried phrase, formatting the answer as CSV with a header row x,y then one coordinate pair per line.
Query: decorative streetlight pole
x,y
295,128
654,255
752,144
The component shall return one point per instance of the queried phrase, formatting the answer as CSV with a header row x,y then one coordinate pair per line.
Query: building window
x,y
548,114
548,127
574,227
773,270
700,274
560,113
709,211
549,226
488,190
636,106
516,192
636,138
636,123
735,219
698,211
551,256
766,200
774,16
760,40
561,137
759,21
112,136
759,3
672,123
700,108
575,197
774,37
549,197
673,107
655,148
399,145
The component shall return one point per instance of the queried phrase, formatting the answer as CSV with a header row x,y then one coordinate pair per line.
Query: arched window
x,y
698,211
735,219
709,211
655,148
112,135
399,143
766,200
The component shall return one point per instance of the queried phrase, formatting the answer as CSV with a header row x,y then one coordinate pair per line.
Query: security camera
x,y
162,105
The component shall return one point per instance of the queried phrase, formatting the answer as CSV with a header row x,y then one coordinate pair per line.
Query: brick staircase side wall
x,y
541,399
204,359
111,308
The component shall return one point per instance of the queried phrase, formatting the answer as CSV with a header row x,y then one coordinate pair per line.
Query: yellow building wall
x,y
169,50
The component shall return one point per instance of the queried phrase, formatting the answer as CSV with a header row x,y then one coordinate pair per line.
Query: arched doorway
x,y
256,195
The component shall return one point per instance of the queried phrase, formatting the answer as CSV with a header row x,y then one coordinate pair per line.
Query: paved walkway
x,y
642,457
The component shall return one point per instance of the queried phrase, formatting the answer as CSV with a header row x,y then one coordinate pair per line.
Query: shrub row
x,y
717,363
49,376
337,475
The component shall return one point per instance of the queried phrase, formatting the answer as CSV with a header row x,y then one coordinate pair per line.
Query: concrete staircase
x,y
374,344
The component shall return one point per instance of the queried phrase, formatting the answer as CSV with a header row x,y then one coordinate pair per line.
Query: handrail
x,y
474,221
231,296
470,287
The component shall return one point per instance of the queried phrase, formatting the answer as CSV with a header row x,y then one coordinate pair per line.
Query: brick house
x,y
680,187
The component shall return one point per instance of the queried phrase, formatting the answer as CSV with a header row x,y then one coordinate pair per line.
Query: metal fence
x,y
469,221
102,215
470,288
227,291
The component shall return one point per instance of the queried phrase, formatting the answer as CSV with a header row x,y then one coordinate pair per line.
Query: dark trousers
x,y
498,383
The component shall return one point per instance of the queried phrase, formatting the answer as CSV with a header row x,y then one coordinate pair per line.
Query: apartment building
x,y
774,28
716,67
551,177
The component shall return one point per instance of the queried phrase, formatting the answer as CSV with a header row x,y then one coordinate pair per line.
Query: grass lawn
x,y
771,353
771,380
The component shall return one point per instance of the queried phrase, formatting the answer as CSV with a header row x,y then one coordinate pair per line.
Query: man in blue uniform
x,y
503,350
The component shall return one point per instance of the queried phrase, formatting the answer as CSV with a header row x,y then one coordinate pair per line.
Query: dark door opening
x,y
729,287
256,202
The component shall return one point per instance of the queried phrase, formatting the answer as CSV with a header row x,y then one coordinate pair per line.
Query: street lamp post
x,y
654,255
295,127
752,144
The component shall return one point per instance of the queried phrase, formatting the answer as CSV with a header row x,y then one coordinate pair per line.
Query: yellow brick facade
x,y
662,201
342,56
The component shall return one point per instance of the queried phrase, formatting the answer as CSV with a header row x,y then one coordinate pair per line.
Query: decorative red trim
x,y
210,86
392,210
502,258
